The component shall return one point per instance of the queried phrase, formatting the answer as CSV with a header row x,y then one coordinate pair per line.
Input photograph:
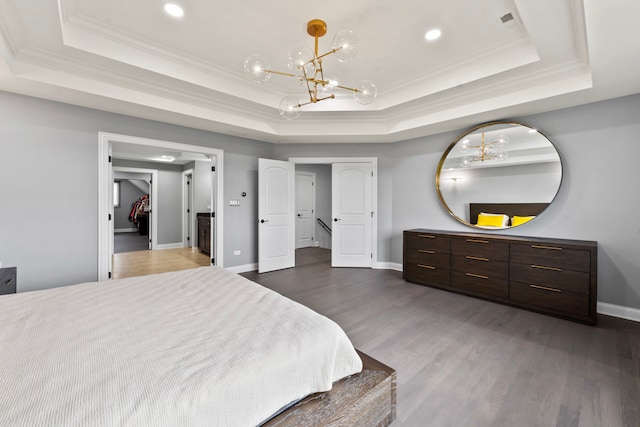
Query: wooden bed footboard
x,y
366,399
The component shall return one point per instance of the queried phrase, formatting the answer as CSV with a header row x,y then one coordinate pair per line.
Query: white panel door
x,y
352,212
305,208
276,215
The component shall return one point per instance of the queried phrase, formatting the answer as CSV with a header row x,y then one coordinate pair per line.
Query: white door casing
x,y
105,186
305,209
352,215
276,215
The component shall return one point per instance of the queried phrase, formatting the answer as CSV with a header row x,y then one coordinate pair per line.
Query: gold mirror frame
x,y
523,151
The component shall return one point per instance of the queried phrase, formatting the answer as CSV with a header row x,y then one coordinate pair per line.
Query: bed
x,y
508,209
197,347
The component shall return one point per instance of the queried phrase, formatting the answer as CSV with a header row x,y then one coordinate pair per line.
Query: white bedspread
x,y
201,347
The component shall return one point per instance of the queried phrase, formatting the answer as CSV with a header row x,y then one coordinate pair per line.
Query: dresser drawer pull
x,y
542,267
553,248
477,241
476,258
544,288
425,251
426,236
479,276
430,267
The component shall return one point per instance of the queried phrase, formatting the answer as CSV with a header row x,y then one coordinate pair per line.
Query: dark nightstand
x,y
8,280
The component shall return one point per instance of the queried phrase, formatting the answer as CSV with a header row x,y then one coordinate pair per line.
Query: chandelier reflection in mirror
x,y
492,150
306,65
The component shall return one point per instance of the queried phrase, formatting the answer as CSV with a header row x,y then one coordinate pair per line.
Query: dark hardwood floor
x,y
467,362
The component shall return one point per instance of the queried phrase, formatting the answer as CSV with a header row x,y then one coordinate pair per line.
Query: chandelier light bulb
x,y
302,62
366,92
502,156
501,140
325,90
346,45
257,67
290,107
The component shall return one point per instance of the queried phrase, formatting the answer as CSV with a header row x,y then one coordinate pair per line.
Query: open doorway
x,y
353,212
132,209
170,224
313,213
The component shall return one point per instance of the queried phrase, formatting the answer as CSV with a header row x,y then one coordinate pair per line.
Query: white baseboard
x,y
169,246
387,266
619,311
243,268
125,230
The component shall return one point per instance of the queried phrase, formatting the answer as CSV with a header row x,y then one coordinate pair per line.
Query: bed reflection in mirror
x,y
499,175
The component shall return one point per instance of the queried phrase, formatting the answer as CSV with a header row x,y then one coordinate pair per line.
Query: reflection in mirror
x,y
498,175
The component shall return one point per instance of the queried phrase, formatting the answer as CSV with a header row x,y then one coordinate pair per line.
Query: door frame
x,y
374,190
105,192
188,222
153,203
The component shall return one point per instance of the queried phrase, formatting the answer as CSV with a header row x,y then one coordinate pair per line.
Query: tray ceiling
x,y
131,58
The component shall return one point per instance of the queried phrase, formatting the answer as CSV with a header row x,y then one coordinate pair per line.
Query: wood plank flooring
x,y
140,263
467,362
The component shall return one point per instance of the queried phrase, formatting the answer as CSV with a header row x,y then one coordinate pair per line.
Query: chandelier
x,y
493,150
306,65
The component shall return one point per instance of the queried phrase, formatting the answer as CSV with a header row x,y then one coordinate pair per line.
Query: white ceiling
x,y
129,57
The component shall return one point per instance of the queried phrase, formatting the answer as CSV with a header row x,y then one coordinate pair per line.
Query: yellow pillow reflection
x,y
489,220
518,220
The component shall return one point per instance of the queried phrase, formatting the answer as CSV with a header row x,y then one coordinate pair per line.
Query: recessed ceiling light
x,y
174,10
433,34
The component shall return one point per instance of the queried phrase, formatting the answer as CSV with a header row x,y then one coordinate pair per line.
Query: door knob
x,y
336,219
262,221
299,214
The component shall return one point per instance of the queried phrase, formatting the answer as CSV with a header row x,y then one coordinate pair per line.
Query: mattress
x,y
191,348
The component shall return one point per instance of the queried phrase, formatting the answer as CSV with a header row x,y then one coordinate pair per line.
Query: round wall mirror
x,y
499,175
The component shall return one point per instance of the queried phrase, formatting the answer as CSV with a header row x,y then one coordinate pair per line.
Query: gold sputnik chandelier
x,y
492,150
306,65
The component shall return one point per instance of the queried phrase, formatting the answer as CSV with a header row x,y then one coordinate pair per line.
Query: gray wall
x,y
129,193
241,222
59,143
597,200
323,200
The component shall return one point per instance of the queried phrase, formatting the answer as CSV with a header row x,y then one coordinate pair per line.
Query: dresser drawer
x,y
480,247
480,266
428,257
550,299
480,284
566,280
554,256
427,274
418,240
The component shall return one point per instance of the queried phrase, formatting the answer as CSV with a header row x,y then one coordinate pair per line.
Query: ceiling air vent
x,y
506,18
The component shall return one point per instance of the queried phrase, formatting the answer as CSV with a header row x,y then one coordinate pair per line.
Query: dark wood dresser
x,y
8,280
204,232
554,276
